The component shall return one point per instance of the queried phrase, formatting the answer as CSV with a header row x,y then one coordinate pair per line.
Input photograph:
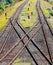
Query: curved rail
x,y
15,15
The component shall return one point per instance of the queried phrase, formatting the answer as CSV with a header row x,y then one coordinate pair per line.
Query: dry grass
x,y
18,62
10,11
23,18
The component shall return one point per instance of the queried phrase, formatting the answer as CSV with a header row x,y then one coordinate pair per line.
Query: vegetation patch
x,y
28,16
18,62
22,63
8,13
48,11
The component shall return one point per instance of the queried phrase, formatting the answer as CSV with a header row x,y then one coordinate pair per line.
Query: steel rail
x,y
4,30
25,32
18,43
22,40
24,43
44,33
4,42
12,18
22,48
15,45
47,23
6,39
44,56
45,20
27,37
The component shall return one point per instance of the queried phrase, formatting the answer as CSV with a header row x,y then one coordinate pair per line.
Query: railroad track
x,y
8,26
21,39
42,19
16,44
18,35
15,15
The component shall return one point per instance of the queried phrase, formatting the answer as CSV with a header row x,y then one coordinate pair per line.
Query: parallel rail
x,y
19,42
41,22
29,39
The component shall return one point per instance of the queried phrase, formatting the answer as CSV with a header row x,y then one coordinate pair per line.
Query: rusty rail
x,y
39,15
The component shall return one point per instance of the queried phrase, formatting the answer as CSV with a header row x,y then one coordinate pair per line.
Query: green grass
x,y
23,18
10,11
